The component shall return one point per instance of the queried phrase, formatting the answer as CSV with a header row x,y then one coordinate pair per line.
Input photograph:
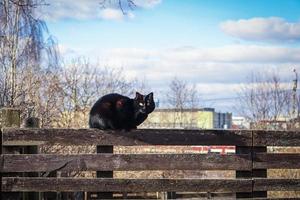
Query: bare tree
x,y
51,92
181,96
266,101
82,83
123,5
25,58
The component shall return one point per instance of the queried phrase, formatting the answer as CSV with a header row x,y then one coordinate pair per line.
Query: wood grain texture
x,y
276,138
276,161
285,198
263,184
105,162
136,137
10,184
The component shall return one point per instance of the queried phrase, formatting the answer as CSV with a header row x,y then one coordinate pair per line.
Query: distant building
x,y
281,123
200,118
240,123
222,120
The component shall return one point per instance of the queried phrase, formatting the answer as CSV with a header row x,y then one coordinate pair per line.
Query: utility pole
x,y
295,94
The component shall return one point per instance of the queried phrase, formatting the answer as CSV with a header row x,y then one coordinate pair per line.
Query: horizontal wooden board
x,y
263,184
105,162
124,185
276,138
285,198
136,137
276,161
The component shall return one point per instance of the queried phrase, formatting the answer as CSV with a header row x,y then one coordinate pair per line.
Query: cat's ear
x,y
150,95
138,95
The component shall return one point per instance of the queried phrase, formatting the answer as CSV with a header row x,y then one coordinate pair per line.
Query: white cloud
x,y
69,52
238,53
191,56
91,9
209,90
217,72
111,14
229,64
263,29
147,3
79,9
222,65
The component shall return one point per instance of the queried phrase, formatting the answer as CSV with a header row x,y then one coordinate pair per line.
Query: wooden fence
x,y
250,162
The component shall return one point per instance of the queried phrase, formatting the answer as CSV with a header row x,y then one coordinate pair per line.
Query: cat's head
x,y
144,103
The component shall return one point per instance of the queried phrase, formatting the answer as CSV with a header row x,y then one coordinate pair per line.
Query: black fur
x,y
115,111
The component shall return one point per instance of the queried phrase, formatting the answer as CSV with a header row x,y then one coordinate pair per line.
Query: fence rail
x,y
12,184
25,137
250,160
121,162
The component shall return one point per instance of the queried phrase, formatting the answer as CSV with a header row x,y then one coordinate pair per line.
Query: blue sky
x,y
171,23
214,44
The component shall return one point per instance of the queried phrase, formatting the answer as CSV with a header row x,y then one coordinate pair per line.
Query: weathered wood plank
x,y
259,173
105,174
125,185
104,162
1,161
243,173
276,138
284,198
31,122
10,117
263,184
135,137
276,161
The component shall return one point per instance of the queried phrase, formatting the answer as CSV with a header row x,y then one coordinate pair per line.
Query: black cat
x,y
115,111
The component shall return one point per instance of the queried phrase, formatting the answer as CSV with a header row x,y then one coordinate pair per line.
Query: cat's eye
x,y
141,104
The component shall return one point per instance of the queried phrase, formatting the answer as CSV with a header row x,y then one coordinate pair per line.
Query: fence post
x,y
10,117
243,173
171,195
259,173
105,174
254,173
32,122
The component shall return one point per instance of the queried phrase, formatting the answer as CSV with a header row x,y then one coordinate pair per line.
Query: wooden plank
x,y
263,184
10,184
276,138
283,198
205,195
10,117
259,173
105,174
106,162
241,174
276,161
135,137
31,122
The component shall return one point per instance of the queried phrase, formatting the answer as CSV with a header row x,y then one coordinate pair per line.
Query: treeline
x,y
34,78
268,102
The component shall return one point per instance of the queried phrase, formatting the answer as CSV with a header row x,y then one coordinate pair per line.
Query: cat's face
x,y
144,104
